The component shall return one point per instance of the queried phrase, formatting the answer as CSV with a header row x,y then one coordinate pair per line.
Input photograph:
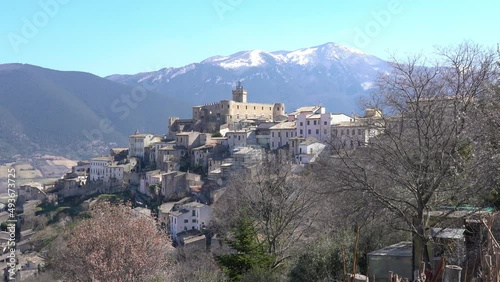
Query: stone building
x,y
210,117
358,131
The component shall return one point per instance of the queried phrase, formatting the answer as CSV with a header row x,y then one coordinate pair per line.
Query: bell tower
x,y
239,94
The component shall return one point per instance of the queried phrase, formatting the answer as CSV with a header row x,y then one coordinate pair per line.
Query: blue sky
x,y
108,37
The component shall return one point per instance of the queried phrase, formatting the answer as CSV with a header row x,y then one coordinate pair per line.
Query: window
x,y
314,122
341,132
301,132
324,123
239,137
353,132
238,107
308,131
317,131
193,221
272,144
186,220
301,124
307,122
286,134
254,107
311,151
279,134
359,131
347,132
193,212
246,107
272,134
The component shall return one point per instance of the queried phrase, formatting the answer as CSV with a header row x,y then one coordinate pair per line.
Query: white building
x,y
191,216
357,132
240,138
308,150
200,156
220,141
138,143
315,122
246,157
113,171
98,167
281,134
151,178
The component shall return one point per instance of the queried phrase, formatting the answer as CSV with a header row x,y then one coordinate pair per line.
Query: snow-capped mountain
x,y
333,75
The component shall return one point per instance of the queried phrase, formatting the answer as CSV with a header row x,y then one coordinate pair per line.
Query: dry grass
x,y
26,171
4,169
64,162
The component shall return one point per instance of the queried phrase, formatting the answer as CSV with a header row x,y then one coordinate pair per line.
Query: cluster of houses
x,y
183,172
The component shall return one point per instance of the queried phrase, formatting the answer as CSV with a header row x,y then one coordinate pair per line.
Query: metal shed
x,y
396,258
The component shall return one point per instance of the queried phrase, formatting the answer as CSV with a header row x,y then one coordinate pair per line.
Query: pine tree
x,y
248,254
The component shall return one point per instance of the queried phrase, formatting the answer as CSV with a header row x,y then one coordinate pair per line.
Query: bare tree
x,y
281,202
115,244
424,157
195,265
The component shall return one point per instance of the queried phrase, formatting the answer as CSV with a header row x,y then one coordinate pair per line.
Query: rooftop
x,y
193,239
401,249
314,116
202,147
448,233
194,205
140,135
108,158
166,207
309,141
305,109
356,123
284,125
117,150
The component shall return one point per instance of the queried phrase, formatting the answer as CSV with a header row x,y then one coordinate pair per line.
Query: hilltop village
x,y
178,176
183,172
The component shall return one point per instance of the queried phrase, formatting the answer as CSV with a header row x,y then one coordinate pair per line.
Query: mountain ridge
x,y
74,114
331,73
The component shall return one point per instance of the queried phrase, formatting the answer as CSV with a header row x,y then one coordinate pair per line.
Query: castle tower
x,y
239,94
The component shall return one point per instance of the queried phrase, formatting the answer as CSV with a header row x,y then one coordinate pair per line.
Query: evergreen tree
x,y
248,253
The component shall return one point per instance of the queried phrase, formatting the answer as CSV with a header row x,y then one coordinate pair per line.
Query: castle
x,y
209,118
